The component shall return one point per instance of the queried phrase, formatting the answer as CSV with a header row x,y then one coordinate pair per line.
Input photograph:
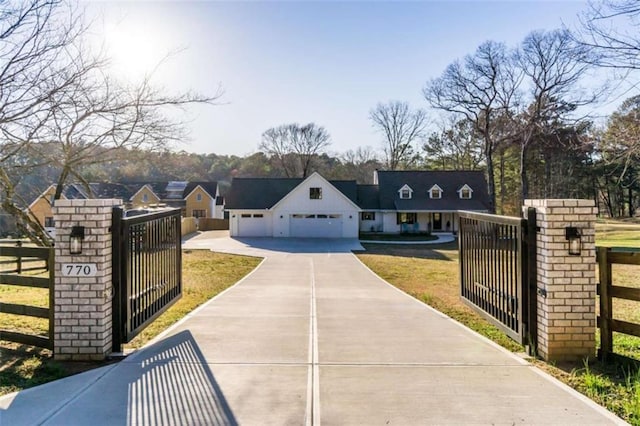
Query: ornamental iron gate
x,y
498,271
147,270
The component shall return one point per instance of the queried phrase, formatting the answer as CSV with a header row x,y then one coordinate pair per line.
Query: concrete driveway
x,y
310,337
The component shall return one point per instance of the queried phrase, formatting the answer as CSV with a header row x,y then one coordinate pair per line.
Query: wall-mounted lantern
x,y
573,236
75,240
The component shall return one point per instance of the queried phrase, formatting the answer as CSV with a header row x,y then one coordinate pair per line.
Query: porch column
x,y
566,282
83,281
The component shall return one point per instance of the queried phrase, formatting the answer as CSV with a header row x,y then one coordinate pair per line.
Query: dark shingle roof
x,y
368,198
264,193
422,181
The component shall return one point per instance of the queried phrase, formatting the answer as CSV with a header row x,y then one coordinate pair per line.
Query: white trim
x,y
436,186
405,188
146,185
465,187
205,191
41,196
282,200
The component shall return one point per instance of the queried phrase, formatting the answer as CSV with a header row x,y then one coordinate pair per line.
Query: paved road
x,y
310,337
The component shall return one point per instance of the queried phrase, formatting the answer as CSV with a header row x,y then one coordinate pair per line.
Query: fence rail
x,y
607,290
17,278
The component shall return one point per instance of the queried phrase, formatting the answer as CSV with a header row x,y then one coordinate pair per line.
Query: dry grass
x,y
205,274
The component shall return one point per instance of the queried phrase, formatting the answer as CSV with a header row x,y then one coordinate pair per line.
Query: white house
x,y
312,207
397,202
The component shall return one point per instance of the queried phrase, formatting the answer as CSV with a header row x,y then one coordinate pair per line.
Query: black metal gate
x,y
498,271
147,270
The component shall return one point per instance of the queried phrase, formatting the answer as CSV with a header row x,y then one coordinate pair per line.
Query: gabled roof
x,y
176,190
264,193
210,188
368,198
422,181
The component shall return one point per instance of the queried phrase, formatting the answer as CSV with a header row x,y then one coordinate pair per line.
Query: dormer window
x,y
435,192
465,192
405,192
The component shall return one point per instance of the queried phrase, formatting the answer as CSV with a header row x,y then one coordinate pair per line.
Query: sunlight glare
x,y
135,49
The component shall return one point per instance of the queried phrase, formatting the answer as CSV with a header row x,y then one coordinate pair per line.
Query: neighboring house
x,y
41,207
197,199
398,201
311,207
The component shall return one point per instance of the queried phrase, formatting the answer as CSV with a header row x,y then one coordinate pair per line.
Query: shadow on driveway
x,y
166,383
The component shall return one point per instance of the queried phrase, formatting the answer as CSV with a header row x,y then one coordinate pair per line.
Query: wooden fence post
x,y
606,335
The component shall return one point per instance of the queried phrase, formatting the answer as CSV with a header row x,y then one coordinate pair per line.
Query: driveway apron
x,y
308,339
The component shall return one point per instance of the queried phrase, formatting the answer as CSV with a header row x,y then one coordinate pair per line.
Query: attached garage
x,y
252,225
315,226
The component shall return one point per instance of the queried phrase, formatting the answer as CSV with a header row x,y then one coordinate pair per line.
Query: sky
x,y
326,62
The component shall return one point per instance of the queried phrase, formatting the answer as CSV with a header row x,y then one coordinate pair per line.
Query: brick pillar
x,y
82,304
566,283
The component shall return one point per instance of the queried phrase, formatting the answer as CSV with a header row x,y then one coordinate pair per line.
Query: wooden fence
x,y
209,224
16,277
607,291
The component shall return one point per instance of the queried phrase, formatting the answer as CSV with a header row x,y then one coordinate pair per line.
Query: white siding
x,y
366,225
389,224
252,226
333,202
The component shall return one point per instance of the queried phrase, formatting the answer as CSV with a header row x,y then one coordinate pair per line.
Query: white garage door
x,y
316,225
252,225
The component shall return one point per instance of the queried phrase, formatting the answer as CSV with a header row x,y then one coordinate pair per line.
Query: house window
x,y
405,194
315,193
199,213
465,193
435,192
198,197
368,216
245,215
409,218
49,222
145,198
258,215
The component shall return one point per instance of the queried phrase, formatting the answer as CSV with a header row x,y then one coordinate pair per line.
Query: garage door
x,y
252,225
316,225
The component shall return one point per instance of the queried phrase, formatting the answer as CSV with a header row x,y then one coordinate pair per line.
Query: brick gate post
x,y
83,282
566,283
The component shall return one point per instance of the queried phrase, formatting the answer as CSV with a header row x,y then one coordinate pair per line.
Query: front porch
x,y
419,222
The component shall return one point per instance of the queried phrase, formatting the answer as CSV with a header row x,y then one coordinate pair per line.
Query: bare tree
x,y
57,103
401,128
610,29
481,88
295,147
553,66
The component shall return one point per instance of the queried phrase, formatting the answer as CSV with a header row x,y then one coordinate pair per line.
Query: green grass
x,y
617,234
205,274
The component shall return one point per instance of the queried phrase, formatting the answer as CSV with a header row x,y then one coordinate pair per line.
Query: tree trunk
x,y
524,180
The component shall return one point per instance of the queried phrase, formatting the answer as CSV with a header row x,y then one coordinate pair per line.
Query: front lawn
x,y
205,274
